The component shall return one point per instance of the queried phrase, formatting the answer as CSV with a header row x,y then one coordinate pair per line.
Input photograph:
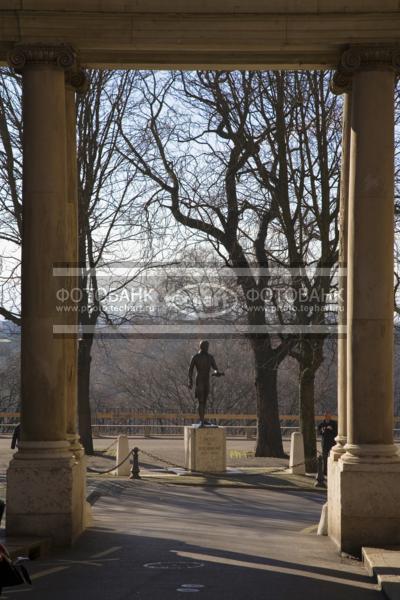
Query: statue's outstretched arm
x,y
217,372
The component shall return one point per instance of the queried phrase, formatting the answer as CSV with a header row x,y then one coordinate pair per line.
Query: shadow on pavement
x,y
107,565
154,542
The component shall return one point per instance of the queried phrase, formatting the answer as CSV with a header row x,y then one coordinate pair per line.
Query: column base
x,y
75,445
338,450
364,501
46,492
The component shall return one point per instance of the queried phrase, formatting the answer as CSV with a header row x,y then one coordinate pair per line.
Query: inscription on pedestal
x,y
205,449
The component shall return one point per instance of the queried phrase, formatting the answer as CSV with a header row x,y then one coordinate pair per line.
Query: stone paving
x,y
240,453
152,541
245,536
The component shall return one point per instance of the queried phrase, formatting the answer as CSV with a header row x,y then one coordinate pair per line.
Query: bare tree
x,y
250,161
10,193
219,209
110,220
304,149
295,162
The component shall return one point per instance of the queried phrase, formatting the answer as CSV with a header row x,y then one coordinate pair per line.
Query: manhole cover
x,y
174,565
190,587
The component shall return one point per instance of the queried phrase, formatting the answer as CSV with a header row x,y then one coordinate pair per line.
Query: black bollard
x,y
320,478
135,465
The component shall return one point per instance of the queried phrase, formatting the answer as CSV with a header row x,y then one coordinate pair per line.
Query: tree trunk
x,y
307,416
269,437
84,413
310,359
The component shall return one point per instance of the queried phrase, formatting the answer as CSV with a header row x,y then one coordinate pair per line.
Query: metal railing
x,y
246,431
150,424
111,424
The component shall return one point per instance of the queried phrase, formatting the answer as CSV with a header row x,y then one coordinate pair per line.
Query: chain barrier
x,y
114,468
319,454
161,460
135,468
176,466
108,447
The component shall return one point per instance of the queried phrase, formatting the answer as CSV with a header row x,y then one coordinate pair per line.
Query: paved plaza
x,y
156,541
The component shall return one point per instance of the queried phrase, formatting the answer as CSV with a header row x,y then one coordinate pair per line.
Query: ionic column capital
x,y
363,58
77,80
341,82
62,56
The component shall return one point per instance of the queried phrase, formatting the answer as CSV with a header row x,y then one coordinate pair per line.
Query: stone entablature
x,y
204,34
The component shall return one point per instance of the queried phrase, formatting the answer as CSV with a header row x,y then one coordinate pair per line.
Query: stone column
x,y
340,86
342,282
43,415
370,267
364,502
42,480
75,82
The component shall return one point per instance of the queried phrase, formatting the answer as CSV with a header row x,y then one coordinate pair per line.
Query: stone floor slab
x,y
384,565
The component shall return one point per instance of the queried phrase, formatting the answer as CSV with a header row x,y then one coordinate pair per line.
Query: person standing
x,y
328,431
16,437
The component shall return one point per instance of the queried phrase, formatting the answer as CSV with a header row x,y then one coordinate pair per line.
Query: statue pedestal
x,y
205,449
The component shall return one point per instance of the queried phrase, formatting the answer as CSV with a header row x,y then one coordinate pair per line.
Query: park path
x,y
153,541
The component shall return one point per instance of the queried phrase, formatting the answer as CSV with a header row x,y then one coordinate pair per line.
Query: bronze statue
x,y
203,362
